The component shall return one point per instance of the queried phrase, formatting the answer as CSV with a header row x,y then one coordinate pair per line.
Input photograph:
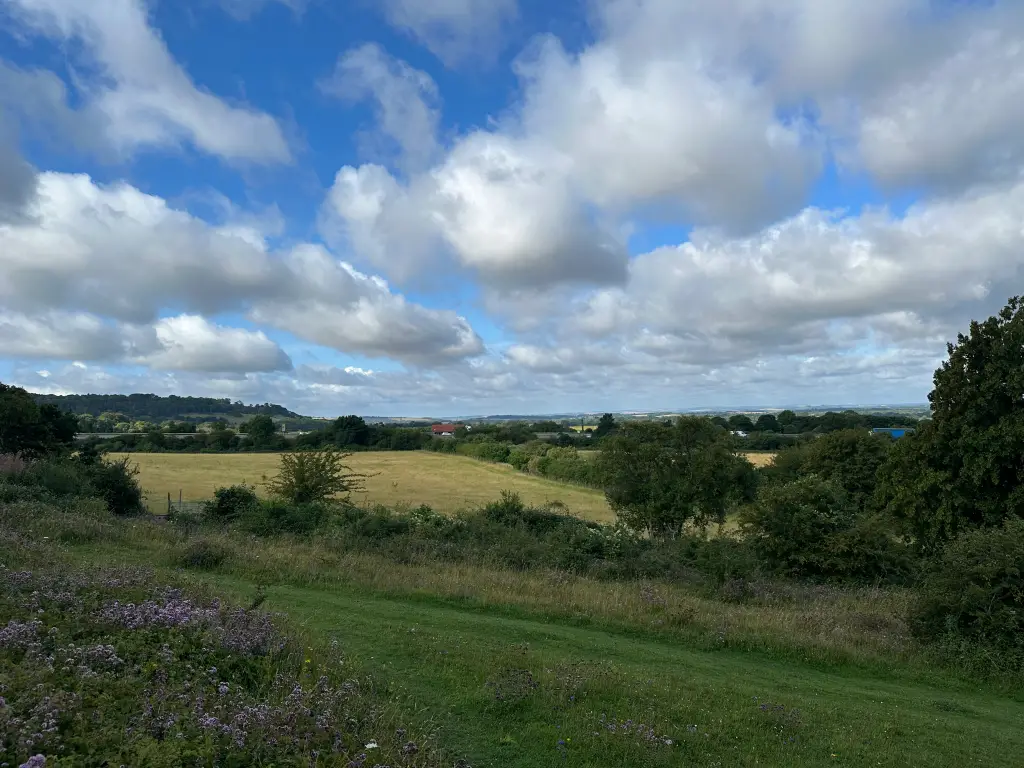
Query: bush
x,y
232,503
204,554
58,477
975,589
309,477
810,528
116,483
275,517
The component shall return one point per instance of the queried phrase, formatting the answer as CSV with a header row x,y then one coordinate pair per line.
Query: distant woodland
x,y
154,408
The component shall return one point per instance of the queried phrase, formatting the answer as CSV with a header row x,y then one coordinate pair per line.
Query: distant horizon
x,y
540,415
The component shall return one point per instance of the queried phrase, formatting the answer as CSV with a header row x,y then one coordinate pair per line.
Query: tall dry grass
x,y
827,623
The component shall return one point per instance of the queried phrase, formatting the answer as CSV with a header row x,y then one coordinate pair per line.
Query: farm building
x,y
894,432
443,430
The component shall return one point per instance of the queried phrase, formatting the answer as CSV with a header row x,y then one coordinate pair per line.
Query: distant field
x,y
760,458
446,483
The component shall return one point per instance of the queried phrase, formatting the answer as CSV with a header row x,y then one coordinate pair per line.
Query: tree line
x,y
156,408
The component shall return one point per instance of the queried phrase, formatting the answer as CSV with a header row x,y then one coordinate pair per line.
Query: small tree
x,y
307,477
660,478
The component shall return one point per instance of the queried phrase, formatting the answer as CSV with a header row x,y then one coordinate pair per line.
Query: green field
x,y
446,483
828,680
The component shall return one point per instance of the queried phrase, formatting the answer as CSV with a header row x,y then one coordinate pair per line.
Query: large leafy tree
x,y
965,469
660,478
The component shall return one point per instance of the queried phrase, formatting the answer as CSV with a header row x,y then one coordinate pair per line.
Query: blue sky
x,y
478,206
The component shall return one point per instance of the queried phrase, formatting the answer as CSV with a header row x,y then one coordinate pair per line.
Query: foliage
x,y
811,527
275,516
605,426
850,457
567,465
307,477
86,475
660,478
155,408
260,429
110,667
30,430
975,589
204,555
232,503
964,470
116,482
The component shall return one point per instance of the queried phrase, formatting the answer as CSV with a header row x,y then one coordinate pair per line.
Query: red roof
x,y
443,428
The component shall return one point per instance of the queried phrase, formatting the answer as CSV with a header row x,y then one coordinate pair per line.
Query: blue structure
x,y
894,432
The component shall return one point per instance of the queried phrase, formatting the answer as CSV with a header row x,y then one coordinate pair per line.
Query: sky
x,y
468,207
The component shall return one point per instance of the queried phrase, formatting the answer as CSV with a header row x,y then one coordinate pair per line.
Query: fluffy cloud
x,y
820,282
668,132
453,29
114,252
914,92
60,336
183,343
192,343
405,99
502,209
144,97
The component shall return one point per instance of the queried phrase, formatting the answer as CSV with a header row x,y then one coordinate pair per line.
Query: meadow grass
x,y
446,483
547,669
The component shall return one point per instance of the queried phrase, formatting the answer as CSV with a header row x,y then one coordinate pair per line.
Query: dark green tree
x,y
766,422
659,478
29,430
350,430
261,429
851,458
741,422
605,426
963,470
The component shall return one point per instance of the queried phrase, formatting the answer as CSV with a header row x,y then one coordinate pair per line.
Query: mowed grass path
x,y
446,483
720,706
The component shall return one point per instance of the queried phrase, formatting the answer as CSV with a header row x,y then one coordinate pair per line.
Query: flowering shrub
x,y
111,668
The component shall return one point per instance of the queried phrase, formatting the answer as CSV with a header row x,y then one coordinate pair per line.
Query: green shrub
x,y
231,503
810,528
975,589
382,525
275,517
309,477
58,477
116,483
510,511
204,555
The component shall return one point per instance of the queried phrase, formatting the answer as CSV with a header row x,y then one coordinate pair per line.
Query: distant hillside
x,y
155,408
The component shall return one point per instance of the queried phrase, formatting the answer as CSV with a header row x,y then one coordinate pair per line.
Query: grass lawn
x,y
446,483
523,689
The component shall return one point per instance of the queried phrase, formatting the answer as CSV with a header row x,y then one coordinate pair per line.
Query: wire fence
x,y
180,506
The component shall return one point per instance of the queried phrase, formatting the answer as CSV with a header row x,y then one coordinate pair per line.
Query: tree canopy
x,y
964,469
30,430
659,478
